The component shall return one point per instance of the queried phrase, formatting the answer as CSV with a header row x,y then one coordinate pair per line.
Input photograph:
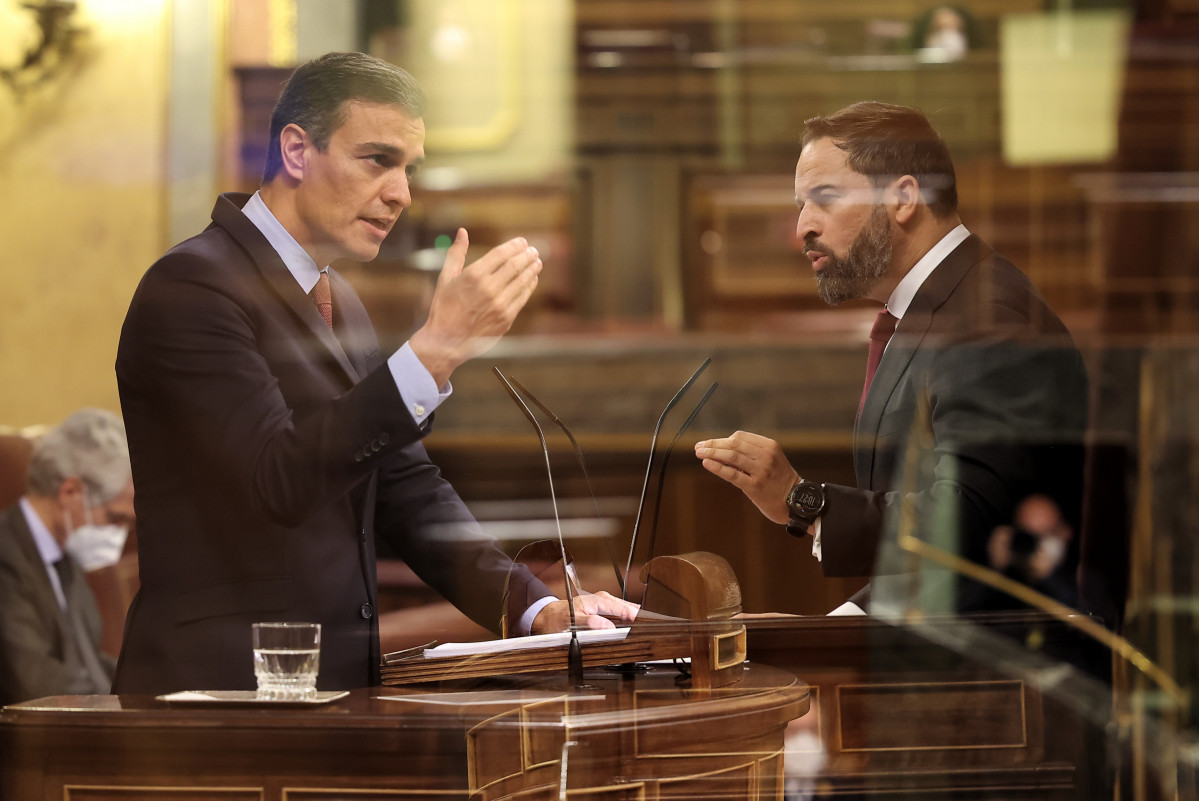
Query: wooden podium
x,y
688,612
484,727
521,737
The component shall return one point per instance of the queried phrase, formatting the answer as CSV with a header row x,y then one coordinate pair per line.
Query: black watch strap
x,y
797,528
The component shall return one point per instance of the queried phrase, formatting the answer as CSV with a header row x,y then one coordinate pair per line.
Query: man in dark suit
x,y
271,441
977,403
78,486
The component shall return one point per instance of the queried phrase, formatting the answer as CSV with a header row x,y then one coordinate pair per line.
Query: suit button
x,y
367,611
384,438
359,456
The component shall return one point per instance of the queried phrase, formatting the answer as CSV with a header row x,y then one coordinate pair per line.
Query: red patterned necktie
x,y
880,334
323,298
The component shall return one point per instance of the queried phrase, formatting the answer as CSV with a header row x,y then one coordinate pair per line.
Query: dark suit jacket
x,y
38,654
979,402
267,455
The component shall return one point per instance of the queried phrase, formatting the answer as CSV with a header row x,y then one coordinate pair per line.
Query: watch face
x,y
807,498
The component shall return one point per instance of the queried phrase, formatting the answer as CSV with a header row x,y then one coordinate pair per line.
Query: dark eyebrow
x,y
381,147
391,151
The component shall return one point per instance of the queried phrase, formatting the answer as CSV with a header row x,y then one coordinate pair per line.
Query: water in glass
x,y
286,660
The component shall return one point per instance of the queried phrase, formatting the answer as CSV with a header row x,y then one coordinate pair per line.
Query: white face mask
x,y
93,546
952,42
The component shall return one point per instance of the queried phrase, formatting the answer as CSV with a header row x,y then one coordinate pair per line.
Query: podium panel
x,y
895,713
483,740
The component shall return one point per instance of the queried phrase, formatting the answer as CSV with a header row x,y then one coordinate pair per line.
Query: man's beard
x,y
864,264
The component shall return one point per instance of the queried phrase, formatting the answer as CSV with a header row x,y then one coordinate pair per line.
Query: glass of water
x,y
286,660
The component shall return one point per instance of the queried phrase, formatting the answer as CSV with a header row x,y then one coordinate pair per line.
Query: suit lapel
x,y
907,340
84,624
45,599
353,326
227,214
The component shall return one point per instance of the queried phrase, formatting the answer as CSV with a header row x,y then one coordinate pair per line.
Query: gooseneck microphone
x,y
653,528
650,465
586,478
574,654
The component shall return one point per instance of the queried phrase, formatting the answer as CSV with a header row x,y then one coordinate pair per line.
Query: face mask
x,y
951,41
93,546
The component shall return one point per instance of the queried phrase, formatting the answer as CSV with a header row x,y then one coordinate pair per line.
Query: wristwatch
x,y
805,502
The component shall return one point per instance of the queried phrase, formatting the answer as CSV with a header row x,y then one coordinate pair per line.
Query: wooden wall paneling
x,y
258,89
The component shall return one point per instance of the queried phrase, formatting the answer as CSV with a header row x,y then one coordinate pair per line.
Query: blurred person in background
x,y
73,518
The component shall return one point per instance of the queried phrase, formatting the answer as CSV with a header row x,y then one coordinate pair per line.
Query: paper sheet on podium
x,y
560,638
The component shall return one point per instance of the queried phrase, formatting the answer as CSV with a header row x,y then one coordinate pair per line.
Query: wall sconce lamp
x,y
58,42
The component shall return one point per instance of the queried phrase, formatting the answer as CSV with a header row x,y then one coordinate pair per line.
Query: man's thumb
x,y
455,257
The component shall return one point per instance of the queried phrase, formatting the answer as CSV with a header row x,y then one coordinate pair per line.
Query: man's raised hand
x,y
474,305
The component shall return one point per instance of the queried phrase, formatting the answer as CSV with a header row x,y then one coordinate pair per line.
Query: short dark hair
x,y
316,94
884,141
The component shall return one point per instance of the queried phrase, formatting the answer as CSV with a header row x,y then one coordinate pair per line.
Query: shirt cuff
x,y
416,385
816,539
525,625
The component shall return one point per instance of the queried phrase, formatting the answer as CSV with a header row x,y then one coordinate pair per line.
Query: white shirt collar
x,y
47,546
902,296
302,267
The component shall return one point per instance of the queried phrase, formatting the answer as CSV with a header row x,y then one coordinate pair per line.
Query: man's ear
x,y
71,490
907,198
293,147
72,500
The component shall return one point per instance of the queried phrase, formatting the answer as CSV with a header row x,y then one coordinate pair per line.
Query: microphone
x,y
586,478
653,528
649,467
574,654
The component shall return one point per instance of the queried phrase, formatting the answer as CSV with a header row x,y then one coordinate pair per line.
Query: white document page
x,y
523,643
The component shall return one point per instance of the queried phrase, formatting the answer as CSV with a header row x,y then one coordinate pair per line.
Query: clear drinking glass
x,y
286,660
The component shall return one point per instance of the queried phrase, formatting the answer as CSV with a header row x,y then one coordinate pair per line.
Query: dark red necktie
x,y
880,334
323,298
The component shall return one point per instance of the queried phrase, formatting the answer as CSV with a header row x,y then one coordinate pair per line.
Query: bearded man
x,y
975,397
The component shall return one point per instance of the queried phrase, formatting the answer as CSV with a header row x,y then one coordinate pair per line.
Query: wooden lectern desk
x,y
485,727
899,713
522,737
